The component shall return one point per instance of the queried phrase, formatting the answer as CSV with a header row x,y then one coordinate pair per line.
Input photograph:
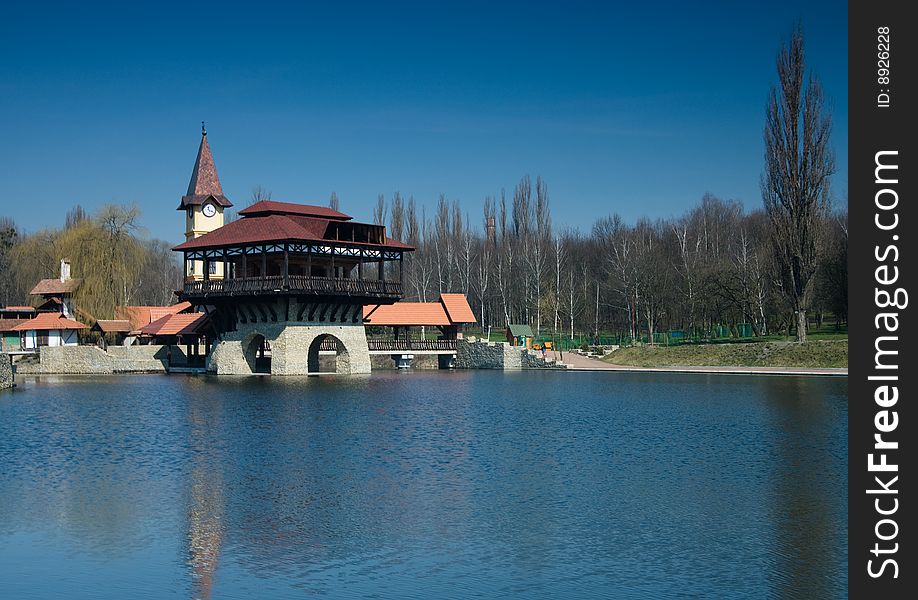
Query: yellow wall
x,y
196,225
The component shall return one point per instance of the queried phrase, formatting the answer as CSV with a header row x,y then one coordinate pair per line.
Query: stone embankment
x,y
91,360
6,372
476,354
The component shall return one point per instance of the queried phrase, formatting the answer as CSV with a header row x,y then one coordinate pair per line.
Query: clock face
x,y
209,210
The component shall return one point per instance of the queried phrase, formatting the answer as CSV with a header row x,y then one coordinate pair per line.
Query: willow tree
x,y
798,165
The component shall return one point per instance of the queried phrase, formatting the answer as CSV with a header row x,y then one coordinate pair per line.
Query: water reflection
x,y
421,485
805,505
205,499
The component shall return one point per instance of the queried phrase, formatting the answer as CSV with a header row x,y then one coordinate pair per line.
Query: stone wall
x,y
290,343
473,354
532,359
92,360
6,372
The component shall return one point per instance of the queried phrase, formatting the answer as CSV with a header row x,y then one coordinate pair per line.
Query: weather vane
x,y
203,131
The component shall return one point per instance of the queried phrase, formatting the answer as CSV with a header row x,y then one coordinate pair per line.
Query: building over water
x,y
285,281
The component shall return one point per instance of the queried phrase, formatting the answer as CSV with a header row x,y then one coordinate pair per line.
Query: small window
x,y
191,268
212,268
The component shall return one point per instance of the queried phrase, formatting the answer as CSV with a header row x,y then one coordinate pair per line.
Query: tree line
x,y
106,250
714,266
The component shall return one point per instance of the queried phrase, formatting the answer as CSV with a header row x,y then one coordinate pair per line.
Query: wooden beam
x,y
312,311
264,315
287,267
324,312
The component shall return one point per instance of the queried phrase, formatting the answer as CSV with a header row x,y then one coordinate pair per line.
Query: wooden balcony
x,y
383,345
298,285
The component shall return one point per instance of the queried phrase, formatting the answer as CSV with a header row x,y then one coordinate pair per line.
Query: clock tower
x,y
203,206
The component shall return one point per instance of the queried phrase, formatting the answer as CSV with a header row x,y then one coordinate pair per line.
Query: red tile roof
x,y
273,228
140,316
47,287
204,182
114,325
49,322
11,324
19,308
288,208
457,308
178,324
406,313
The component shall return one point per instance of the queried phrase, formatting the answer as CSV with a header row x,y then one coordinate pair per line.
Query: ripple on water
x,y
466,484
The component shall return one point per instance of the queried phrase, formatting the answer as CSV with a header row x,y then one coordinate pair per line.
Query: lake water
x,y
424,485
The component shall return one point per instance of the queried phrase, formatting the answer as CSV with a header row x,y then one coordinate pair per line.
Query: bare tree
x,y
259,193
379,211
9,237
397,218
75,216
333,201
798,165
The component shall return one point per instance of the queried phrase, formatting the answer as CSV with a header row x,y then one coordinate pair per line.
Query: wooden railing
x,y
410,345
275,284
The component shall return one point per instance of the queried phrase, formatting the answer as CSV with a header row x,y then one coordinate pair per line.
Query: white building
x,y
49,329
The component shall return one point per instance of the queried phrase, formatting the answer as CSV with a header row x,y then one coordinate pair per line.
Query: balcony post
x,y
264,265
360,266
309,263
287,266
381,274
401,270
244,270
206,268
333,261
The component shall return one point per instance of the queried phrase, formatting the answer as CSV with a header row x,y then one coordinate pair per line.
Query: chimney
x,y
65,269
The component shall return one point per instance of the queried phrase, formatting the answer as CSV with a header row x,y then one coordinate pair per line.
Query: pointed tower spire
x,y
204,182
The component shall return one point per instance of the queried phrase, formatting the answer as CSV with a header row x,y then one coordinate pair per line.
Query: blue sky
x,y
635,108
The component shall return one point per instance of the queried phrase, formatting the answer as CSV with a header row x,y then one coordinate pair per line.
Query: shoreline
x,y
577,362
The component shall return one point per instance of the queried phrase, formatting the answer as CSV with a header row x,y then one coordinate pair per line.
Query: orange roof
x,y
457,308
49,322
178,324
114,325
47,287
19,308
140,316
406,313
452,309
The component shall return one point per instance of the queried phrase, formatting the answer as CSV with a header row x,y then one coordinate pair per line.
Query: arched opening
x,y
258,354
327,354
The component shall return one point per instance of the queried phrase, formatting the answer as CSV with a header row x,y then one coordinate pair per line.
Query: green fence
x,y
673,337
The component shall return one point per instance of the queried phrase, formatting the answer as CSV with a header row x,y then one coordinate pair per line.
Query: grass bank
x,y
812,354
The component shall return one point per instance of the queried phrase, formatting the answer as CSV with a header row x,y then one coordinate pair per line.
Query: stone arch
x,y
328,354
257,351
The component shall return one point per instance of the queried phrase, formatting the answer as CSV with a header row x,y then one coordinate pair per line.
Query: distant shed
x,y
519,334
